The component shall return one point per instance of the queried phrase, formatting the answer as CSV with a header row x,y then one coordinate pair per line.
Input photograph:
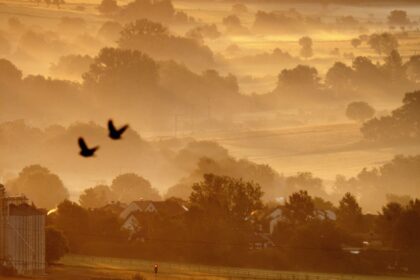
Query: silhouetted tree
x,y
160,11
402,124
367,74
340,77
35,182
73,221
307,182
359,111
115,71
306,47
315,244
300,76
9,73
383,43
239,8
108,7
394,68
130,186
71,65
299,208
56,245
220,208
96,197
156,40
387,221
233,25
412,67
398,18
349,214
235,198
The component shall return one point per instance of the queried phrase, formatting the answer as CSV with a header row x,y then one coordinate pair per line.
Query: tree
x,y
56,245
367,74
300,76
394,67
412,67
233,24
41,186
71,65
403,200
231,21
140,28
349,214
219,215
223,195
306,44
126,67
316,244
120,77
155,40
299,208
239,8
9,73
73,221
340,77
400,226
398,18
387,221
108,7
402,124
160,11
356,42
383,43
359,111
96,197
130,186
307,182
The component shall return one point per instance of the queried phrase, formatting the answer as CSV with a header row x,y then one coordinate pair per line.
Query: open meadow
x,y
95,268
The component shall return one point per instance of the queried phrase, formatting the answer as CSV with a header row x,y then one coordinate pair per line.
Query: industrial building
x,y
22,235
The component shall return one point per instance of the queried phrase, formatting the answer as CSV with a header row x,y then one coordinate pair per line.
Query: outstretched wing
x,y
82,144
122,129
111,126
94,149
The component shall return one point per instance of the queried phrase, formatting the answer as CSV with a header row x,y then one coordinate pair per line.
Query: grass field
x,y
325,150
82,267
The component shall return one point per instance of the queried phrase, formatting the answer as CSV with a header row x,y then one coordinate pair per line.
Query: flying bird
x,y
85,151
115,133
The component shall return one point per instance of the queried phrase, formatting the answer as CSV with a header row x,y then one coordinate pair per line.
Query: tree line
x,y
224,216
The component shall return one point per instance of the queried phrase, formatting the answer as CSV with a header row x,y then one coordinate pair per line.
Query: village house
x,y
137,212
267,219
22,235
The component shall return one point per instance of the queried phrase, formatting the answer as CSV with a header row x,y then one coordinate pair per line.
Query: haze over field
x,y
267,83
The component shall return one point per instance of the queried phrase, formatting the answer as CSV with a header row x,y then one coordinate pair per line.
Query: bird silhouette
x,y
85,151
115,133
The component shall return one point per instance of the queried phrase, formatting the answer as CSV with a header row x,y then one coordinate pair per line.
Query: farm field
x,y
83,267
325,150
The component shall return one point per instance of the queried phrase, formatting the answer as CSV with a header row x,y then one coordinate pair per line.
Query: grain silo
x,y
22,235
